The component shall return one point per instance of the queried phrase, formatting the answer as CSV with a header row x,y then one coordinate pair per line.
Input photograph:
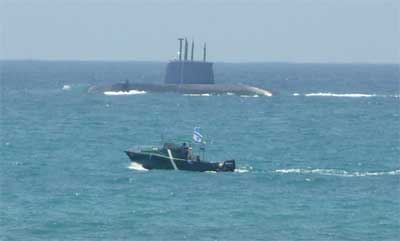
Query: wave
x,y
66,87
337,172
350,95
227,94
354,95
206,94
131,92
137,167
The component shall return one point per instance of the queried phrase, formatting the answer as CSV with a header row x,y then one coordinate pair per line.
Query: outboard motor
x,y
227,166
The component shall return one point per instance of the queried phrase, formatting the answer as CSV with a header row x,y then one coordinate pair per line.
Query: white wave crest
x,y
66,87
131,92
336,172
354,95
136,166
206,94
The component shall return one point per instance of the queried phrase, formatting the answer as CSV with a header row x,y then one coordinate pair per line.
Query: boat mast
x,y
203,150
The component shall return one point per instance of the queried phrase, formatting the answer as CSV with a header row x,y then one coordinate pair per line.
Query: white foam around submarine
x,y
131,92
250,96
206,94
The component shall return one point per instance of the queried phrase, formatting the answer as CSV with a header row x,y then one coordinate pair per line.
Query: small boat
x,y
176,157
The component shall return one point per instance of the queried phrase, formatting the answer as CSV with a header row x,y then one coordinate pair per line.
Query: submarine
x,y
186,77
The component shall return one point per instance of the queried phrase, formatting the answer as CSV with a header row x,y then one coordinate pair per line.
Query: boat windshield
x,y
145,148
171,146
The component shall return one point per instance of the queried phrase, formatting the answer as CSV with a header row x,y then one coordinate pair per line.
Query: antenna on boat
x,y
203,150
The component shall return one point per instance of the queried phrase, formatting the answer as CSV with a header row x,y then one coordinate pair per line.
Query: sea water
x,y
319,160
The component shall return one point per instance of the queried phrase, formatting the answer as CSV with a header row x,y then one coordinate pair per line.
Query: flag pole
x,y
204,151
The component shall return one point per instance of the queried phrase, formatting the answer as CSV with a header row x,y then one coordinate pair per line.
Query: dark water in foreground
x,y
318,161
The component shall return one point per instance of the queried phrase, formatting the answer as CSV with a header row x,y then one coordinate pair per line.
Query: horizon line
x,y
221,62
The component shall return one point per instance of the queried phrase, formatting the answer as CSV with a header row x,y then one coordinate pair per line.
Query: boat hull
x,y
156,161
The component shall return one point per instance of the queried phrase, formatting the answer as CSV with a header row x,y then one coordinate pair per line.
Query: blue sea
x,y
319,160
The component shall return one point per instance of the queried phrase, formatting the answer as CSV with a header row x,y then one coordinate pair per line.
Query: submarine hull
x,y
153,161
184,88
187,77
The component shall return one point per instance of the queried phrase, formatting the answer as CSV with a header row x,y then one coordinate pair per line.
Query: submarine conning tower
x,y
184,71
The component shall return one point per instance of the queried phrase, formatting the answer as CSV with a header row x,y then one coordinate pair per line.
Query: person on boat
x,y
185,151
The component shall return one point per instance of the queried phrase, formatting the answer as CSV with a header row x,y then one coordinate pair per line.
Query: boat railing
x,y
145,148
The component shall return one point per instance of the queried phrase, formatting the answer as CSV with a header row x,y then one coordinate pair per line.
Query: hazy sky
x,y
235,30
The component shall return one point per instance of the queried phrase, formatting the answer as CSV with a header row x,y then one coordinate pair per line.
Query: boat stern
x,y
226,166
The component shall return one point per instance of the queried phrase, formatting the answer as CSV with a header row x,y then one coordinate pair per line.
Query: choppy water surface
x,y
317,161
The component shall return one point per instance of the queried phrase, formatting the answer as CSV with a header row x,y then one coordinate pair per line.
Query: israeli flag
x,y
197,137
